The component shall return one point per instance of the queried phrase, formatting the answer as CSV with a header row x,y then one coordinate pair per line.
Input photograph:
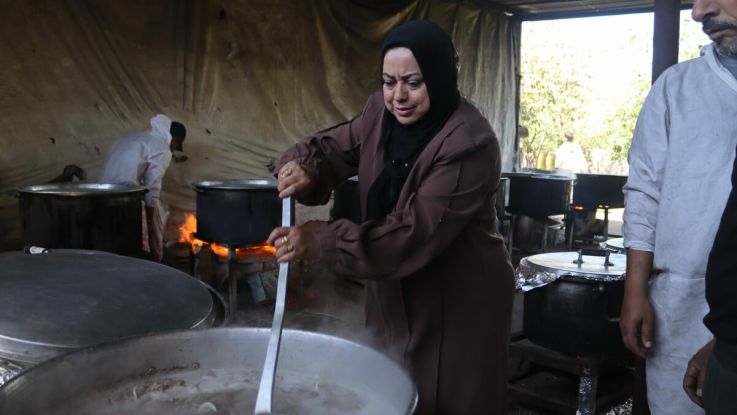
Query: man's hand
x,y
693,380
293,180
636,324
636,320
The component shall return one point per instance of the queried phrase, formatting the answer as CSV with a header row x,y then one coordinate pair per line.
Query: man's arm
x,y
152,232
636,318
647,159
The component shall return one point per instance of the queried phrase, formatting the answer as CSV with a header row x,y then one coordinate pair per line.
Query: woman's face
x,y
405,92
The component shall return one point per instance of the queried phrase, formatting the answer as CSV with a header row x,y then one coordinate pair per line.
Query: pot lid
x,y
62,300
566,263
597,175
237,184
82,189
615,244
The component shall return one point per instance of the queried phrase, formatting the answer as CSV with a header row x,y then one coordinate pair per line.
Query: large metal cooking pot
x,y
578,313
538,195
237,212
63,300
104,217
213,371
347,201
593,190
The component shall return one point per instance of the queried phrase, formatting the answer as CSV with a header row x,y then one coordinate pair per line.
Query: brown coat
x,y
439,281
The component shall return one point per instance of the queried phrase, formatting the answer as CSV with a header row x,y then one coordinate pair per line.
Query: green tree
x,y
551,103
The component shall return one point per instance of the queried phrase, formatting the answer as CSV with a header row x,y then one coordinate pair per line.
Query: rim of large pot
x,y
237,184
82,189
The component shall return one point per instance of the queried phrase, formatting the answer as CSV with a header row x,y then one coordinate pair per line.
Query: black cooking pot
x,y
237,212
538,195
502,197
347,201
102,217
593,190
578,313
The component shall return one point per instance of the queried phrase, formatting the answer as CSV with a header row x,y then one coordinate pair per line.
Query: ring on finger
x,y
284,240
290,248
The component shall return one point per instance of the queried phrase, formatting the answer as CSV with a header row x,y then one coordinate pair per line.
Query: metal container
x,y
591,191
578,312
502,197
213,371
538,195
237,212
103,217
63,300
347,201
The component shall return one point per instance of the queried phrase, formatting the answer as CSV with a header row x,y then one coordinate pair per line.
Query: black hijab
x,y
435,55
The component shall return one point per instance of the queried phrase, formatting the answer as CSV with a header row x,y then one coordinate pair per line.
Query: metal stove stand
x,y
562,384
234,268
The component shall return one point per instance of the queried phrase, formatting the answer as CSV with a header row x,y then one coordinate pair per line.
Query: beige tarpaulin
x,y
248,78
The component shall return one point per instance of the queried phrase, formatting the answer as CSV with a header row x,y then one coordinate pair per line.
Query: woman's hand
x,y
294,243
293,180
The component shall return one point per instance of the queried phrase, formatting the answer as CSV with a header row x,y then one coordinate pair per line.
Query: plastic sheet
x,y
530,277
9,370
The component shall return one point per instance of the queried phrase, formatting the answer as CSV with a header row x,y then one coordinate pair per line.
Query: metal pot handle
x,y
593,252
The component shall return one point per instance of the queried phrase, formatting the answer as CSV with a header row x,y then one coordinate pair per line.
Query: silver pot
x,y
65,300
213,371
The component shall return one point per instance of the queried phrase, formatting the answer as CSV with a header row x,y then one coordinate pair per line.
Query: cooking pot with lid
x,y
578,312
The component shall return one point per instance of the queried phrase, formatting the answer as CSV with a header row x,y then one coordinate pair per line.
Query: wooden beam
x,y
665,35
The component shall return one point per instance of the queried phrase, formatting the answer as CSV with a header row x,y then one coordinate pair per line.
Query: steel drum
x,y
64,300
213,371
99,216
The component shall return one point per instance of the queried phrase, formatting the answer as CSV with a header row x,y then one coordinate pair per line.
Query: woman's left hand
x,y
294,243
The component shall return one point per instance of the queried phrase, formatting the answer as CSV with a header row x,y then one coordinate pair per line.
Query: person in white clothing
x,y
569,156
142,158
680,165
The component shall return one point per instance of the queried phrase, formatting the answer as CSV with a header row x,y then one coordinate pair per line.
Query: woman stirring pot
x,y
438,278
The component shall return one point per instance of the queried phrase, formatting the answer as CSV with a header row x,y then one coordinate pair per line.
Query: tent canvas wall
x,y
248,78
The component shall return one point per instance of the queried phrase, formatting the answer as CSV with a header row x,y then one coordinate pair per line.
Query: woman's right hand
x,y
293,180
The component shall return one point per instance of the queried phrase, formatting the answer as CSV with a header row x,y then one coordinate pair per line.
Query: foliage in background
x,y
552,99
593,87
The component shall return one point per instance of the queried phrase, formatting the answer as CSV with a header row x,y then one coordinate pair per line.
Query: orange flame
x,y
261,252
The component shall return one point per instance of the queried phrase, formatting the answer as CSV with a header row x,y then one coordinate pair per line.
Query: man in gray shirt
x,y
680,167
